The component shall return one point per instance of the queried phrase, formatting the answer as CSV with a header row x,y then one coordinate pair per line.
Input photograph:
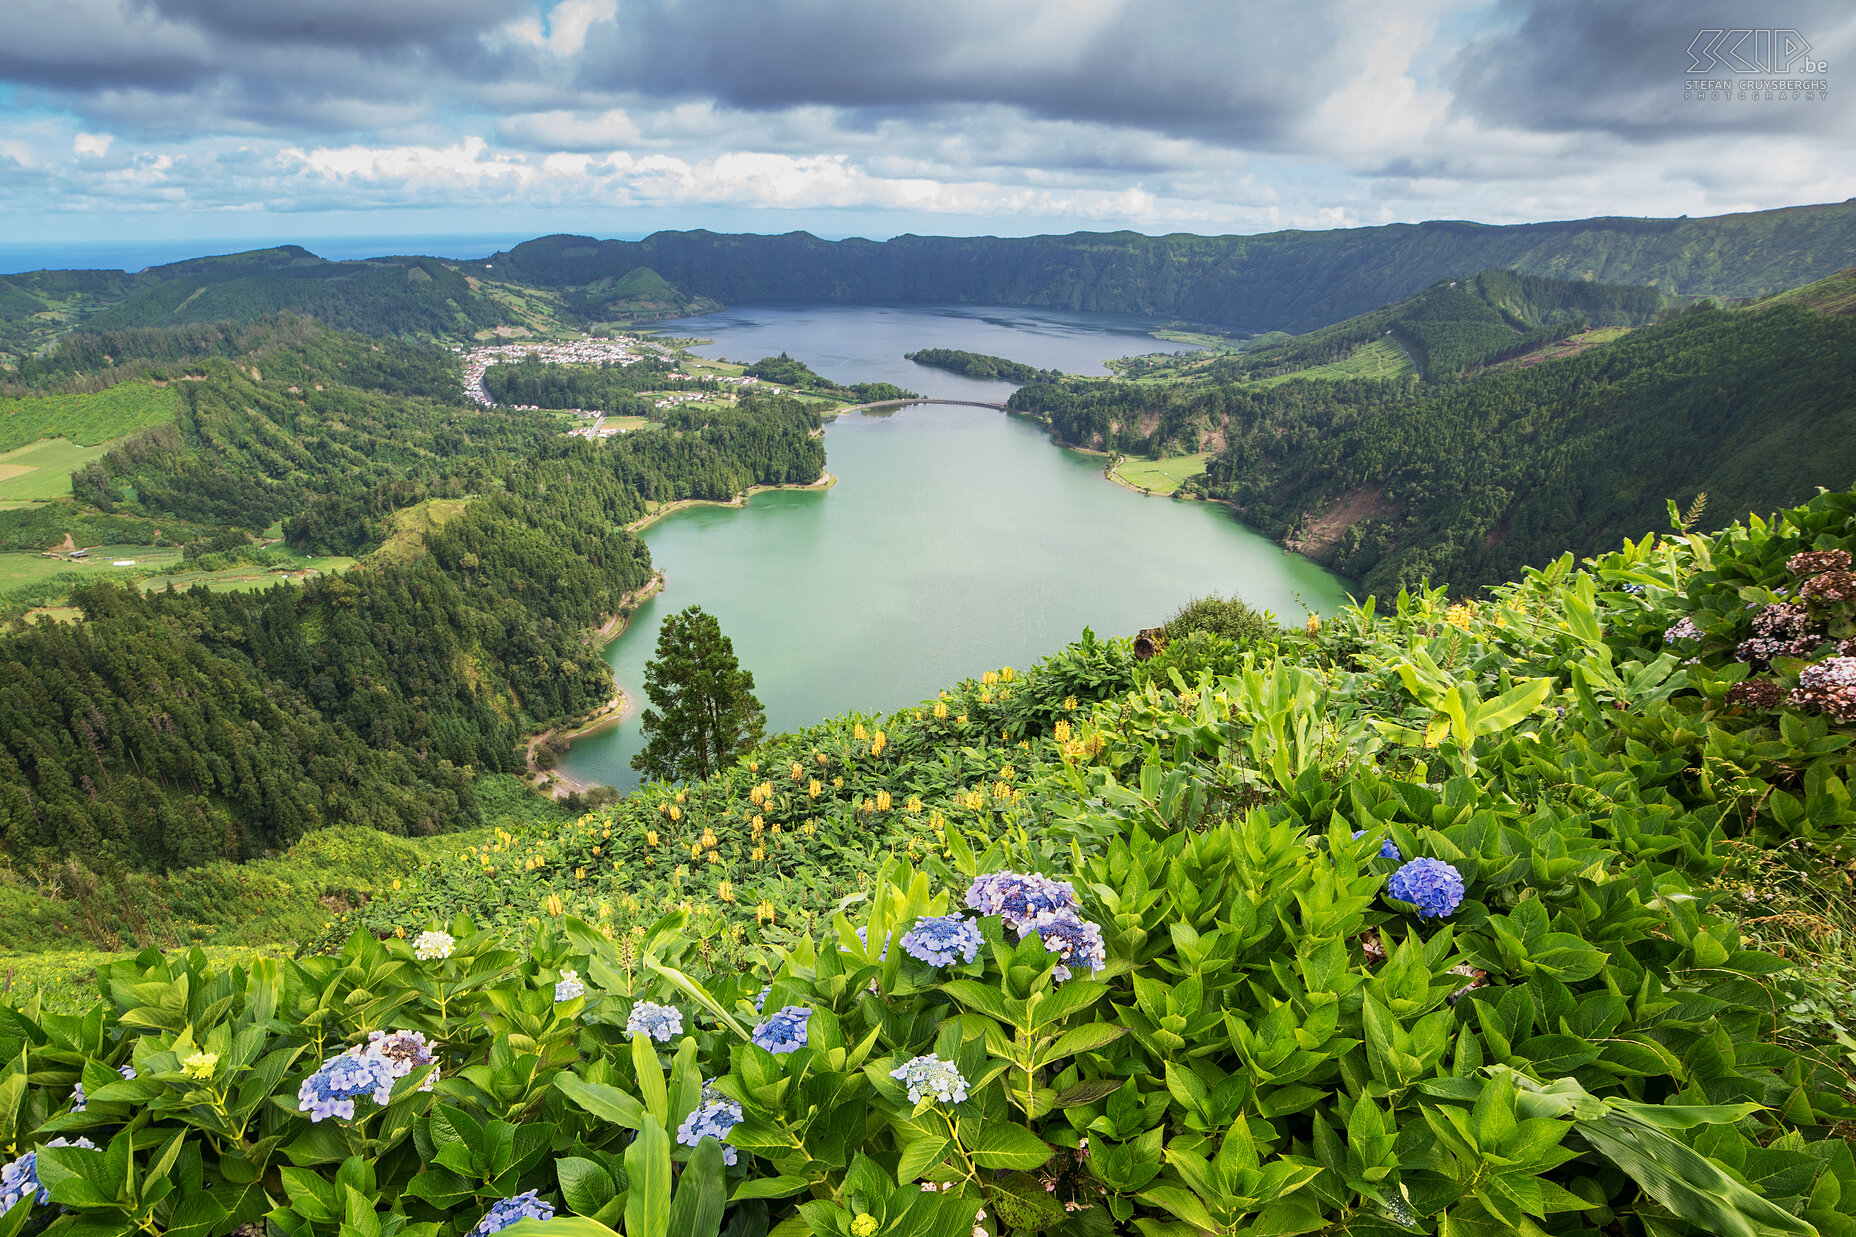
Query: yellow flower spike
x,y
758,855
605,833
400,932
798,771
985,695
757,825
1007,772
821,757
709,838
961,720
753,766
580,874
554,905
882,801
1007,674
1001,791
726,891
1459,615
683,796
877,743
1314,625
811,827
663,809
650,837
714,857
396,882
914,806
940,710
867,806
814,788
676,813
776,828
837,783
1069,702
763,913
1061,732
989,678
596,850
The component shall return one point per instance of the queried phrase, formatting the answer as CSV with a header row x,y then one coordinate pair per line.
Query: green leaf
x,y
647,1163
1086,1038
919,1156
1692,1186
585,1186
1010,1146
768,1187
606,1103
697,1209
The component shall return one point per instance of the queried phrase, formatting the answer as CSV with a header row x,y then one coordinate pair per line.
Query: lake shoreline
x,y
557,783
826,480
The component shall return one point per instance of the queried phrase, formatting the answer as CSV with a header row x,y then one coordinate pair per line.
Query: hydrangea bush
x,y
1402,924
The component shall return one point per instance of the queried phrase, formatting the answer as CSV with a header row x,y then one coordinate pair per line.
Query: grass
x,y
1161,476
41,471
247,576
88,420
19,570
410,525
1380,359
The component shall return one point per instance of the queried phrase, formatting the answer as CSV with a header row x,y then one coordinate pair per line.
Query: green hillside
x,y
1296,281
1395,481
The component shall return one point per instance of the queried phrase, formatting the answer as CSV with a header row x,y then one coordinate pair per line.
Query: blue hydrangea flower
x,y
527,1205
713,1118
20,1179
784,1031
569,986
1431,885
863,938
760,1002
78,1102
939,939
332,1090
1071,937
1018,896
660,1022
1388,849
127,1071
930,1076
1635,590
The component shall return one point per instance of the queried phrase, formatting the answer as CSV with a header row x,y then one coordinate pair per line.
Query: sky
x,y
183,121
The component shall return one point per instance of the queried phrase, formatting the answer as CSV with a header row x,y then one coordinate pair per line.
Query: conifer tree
x,y
704,711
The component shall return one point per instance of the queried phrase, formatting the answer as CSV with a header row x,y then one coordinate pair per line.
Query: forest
x,y
394,684
980,365
1466,483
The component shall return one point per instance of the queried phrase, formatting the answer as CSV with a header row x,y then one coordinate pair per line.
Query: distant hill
x,y
1295,281
640,295
1458,323
382,296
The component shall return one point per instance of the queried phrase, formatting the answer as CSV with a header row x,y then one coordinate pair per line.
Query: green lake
x,y
957,540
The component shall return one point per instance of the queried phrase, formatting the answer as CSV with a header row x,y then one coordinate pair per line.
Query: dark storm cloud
x,y
1601,66
1205,69
173,65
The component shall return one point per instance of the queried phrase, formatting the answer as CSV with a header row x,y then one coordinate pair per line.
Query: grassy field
x,y
1161,476
410,525
17,570
248,576
1380,359
88,420
42,470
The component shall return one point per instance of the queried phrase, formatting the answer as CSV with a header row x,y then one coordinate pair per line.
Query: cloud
x,y
1592,66
92,143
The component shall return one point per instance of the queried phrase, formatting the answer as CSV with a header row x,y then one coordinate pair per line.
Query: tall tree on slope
x,y
703,709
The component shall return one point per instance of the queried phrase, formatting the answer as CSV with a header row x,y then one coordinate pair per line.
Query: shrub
x,y
1223,616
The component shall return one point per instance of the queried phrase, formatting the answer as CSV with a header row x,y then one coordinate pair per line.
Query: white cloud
x,y
92,143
